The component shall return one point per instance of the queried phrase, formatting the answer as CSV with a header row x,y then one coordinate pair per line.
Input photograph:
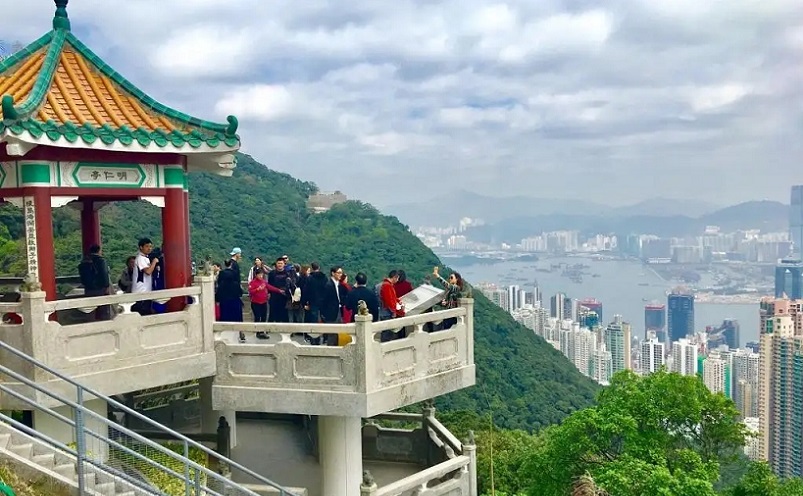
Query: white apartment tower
x,y
585,344
653,355
602,365
684,357
714,373
617,342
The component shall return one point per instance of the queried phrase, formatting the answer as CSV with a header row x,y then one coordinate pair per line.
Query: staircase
x,y
78,448
33,458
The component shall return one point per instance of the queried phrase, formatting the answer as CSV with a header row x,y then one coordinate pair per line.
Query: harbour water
x,y
623,287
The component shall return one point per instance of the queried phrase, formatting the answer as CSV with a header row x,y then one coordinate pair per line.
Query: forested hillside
x,y
521,379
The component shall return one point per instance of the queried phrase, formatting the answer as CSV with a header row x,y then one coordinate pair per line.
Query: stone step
x,y
22,450
66,470
4,439
107,488
46,460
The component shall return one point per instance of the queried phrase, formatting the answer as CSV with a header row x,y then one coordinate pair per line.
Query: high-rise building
x,y
684,357
726,334
744,381
602,365
560,307
497,295
587,318
715,374
591,304
617,342
789,279
585,344
515,298
653,353
655,319
796,221
780,397
680,315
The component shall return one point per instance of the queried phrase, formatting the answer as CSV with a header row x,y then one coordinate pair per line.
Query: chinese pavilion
x,y
78,133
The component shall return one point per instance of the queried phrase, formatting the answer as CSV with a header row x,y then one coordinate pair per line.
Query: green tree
x,y
660,434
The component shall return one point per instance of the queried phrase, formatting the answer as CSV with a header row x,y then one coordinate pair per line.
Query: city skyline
x,y
554,89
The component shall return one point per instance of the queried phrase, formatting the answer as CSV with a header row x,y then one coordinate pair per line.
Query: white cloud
x,y
259,102
204,51
563,92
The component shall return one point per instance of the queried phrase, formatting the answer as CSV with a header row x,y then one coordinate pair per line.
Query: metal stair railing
x,y
105,452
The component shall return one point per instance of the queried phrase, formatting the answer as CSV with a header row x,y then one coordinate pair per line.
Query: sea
x,y
623,287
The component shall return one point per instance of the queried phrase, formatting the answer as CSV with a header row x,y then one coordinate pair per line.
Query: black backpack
x,y
88,272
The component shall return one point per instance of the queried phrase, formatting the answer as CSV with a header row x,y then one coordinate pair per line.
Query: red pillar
x,y
90,225
46,253
174,244
188,244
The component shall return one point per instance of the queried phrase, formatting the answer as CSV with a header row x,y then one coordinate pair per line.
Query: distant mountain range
x,y
768,216
496,209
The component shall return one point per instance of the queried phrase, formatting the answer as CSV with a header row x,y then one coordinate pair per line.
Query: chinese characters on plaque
x,y
29,211
109,176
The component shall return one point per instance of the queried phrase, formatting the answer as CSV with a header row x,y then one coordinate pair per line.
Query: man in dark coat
x,y
360,291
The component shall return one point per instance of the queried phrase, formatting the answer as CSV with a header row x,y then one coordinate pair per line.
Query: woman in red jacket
x,y
258,290
346,313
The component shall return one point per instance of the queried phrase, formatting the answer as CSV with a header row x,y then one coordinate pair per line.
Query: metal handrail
x,y
128,411
65,448
81,410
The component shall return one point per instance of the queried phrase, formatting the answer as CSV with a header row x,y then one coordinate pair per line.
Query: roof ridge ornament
x,y
60,20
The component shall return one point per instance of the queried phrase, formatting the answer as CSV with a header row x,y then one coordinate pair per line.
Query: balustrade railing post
x,y
468,304
470,450
368,486
36,337
367,365
428,413
207,304
80,440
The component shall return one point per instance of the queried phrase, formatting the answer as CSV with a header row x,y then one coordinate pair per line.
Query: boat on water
x,y
643,284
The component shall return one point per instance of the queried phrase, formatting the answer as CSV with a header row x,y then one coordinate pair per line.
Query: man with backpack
x,y
94,274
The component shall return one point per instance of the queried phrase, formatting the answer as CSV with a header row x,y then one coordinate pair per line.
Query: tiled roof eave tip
x,y
117,145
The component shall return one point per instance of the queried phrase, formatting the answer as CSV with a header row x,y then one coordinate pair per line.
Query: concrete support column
x,y
96,449
90,225
174,244
209,417
340,448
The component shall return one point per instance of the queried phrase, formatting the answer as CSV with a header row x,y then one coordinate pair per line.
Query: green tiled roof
x,y
64,90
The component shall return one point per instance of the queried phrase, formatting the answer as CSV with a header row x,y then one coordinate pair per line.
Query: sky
x,y
406,100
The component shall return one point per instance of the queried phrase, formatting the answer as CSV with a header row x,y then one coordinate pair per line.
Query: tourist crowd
x,y
289,292
281,291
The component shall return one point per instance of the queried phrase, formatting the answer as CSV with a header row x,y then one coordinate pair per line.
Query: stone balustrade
x,y
451,464
363,378
130,352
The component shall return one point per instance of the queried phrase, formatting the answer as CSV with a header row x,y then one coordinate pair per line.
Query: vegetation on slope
x,y
521,378
664,434
24,487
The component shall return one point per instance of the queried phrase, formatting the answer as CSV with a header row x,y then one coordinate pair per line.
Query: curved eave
x,y
204,158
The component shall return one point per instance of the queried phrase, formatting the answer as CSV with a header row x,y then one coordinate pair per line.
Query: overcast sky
x,y
389,101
